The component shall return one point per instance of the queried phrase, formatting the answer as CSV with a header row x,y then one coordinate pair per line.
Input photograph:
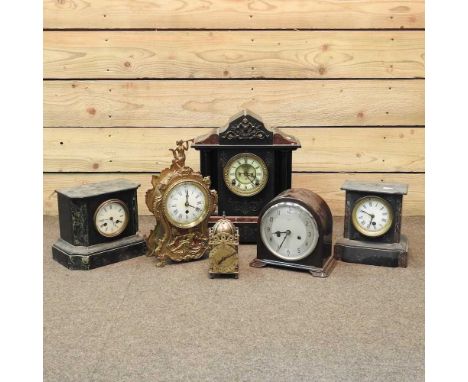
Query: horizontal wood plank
x,y
234,54
323,149
183,103
232,14
326,185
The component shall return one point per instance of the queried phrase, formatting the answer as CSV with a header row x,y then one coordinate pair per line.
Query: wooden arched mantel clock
x,y
249,164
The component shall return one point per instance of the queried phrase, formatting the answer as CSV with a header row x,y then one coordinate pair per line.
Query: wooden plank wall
x,y
124,79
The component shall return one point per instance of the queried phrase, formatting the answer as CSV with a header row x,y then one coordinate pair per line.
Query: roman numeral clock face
x,y
186,204
111,218
372,216
245,174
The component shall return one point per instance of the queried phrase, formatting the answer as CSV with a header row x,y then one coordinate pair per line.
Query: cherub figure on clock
x,y
182,202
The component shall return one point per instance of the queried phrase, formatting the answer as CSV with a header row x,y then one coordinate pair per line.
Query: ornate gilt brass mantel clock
x,y
182,202
249,165
372,225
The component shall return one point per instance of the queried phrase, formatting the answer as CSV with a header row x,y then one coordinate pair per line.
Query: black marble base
x,y
360,252
86,258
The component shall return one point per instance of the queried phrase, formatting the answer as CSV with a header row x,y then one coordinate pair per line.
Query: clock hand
x,y
371,215
278,233
370,222
288,232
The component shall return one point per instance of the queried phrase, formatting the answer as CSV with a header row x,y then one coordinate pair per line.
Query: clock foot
x,y
256,263
314,271
234,275
160,263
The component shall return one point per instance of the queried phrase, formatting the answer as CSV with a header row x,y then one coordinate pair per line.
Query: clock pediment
x,y
245,128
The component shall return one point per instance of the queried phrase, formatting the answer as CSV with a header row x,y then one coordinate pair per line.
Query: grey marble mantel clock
x,y
372,225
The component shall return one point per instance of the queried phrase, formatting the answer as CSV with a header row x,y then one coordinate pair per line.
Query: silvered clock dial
x,y
245,174
289,231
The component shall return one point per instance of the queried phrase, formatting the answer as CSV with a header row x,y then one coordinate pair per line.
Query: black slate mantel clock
x,y
98,225
249,165
372,225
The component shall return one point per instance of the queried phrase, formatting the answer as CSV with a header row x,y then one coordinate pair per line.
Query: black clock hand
x,y
288,232
367,213
370,222
278,233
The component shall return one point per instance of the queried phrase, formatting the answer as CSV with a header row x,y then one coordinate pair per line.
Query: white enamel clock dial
x,y
111,218
289,231
372,216
245,174
186,204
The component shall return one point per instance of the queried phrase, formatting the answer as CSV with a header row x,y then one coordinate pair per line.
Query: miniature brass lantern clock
x,y
295,231
181,201
98,225
372,225
249,165
224,244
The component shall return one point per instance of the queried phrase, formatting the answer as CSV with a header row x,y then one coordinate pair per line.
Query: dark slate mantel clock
x,y
372,225
98,225
249,165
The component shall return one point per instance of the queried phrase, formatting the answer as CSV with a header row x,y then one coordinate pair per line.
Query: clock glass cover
x,y
111,218
372,216
186,204
289,231
245,174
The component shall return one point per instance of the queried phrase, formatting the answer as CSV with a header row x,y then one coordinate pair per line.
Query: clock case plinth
x,y
80,246
320,262
388,250
246,133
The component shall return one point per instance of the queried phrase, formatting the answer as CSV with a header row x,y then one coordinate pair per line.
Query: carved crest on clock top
x,y
244,128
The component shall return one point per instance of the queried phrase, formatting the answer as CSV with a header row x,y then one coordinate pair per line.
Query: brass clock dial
x,y
111,218
372,216
245,174
186,203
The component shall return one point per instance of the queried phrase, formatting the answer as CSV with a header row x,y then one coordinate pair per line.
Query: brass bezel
x,y
362,230
206,210
235,190
102,205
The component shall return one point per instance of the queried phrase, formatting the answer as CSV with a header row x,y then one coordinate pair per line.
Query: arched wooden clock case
x,y
319,262
246,134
